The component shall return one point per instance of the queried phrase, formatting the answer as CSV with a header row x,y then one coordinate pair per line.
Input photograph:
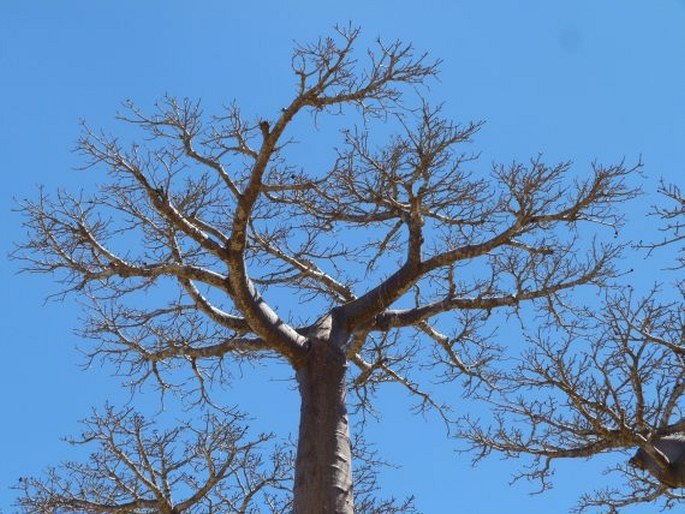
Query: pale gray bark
x,y
323,470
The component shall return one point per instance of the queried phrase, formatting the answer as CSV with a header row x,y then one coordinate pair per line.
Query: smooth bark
x,y
323,471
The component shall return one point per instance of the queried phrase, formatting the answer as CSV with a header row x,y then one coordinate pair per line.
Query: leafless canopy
x,y
208,210
397,252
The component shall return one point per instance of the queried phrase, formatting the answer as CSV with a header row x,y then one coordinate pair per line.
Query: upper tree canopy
x,y
210,203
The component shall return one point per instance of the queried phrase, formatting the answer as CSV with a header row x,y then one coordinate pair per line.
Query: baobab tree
x,y
397,253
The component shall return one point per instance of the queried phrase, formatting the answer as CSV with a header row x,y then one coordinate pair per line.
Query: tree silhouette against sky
x,y
399,254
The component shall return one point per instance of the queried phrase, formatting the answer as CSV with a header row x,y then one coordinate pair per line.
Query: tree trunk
x,y
323,469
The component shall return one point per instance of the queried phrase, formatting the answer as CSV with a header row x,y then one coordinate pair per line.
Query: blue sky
x,y
580,80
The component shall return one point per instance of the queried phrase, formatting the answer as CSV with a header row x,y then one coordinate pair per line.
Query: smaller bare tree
x,y
607,380
209,467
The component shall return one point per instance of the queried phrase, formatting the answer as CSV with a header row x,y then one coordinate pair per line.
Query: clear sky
x,y
579,80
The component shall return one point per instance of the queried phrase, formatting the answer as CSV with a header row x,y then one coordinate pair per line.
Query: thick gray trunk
x,y
323,471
